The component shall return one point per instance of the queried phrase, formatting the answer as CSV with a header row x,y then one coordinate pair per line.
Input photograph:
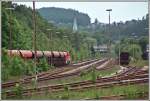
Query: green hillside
x,y
66,16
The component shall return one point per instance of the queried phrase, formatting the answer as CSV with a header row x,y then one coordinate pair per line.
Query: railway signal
x,y
119,45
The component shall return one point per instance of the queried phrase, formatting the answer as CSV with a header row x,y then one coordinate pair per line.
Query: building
x,y
75,28
147,48
101,48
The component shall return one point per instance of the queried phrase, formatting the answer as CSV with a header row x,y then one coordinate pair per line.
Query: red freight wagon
x,y
53,57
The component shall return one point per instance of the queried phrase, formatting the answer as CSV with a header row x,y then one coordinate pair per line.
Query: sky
x,y
121,11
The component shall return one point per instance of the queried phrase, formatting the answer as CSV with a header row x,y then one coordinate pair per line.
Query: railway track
x,y
62,69
104,79
132,71
54,75
129,75
84,62
85,67
80,87
100,82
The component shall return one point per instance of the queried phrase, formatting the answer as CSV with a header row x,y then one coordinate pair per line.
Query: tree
x,y
143,41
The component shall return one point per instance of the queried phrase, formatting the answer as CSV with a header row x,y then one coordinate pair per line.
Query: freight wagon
x,y
55,58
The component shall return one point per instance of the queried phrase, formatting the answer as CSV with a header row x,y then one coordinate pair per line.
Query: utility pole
x,y
34,39
57,33
133,37
50,45
109,43
10,28
66,40
119,47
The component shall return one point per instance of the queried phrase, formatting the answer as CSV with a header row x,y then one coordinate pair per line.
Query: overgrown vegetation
x,y
16,66
135,47
130,91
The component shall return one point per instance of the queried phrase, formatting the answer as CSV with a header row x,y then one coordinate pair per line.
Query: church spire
x,y
75,28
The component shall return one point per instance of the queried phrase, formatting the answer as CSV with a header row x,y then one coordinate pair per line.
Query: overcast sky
x,y
121,11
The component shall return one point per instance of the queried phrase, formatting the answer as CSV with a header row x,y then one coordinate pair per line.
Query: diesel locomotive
x,y
124,58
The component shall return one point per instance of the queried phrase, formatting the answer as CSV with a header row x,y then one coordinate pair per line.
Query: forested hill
x,y
124,29
61,15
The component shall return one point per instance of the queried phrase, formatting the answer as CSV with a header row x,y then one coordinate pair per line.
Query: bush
x,y
42,65
5,74
134,49
15,66
66,88
93,74
18,90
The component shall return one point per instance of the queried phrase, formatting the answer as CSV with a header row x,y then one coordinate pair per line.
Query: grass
x,y
87,76
139,63
129,90
11,78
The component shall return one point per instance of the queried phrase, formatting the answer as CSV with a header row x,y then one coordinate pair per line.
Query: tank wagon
x,y
53,57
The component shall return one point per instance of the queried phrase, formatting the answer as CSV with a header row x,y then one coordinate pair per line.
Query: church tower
x,y
75,28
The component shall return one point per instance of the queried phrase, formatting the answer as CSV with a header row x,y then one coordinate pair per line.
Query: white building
x,y
75,28
101,48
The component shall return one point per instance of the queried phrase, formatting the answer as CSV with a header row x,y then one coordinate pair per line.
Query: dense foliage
x,y
135,47
127,29
15,66
22,32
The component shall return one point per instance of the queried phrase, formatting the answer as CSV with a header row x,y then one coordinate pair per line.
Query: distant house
x,y
101,48
147,48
